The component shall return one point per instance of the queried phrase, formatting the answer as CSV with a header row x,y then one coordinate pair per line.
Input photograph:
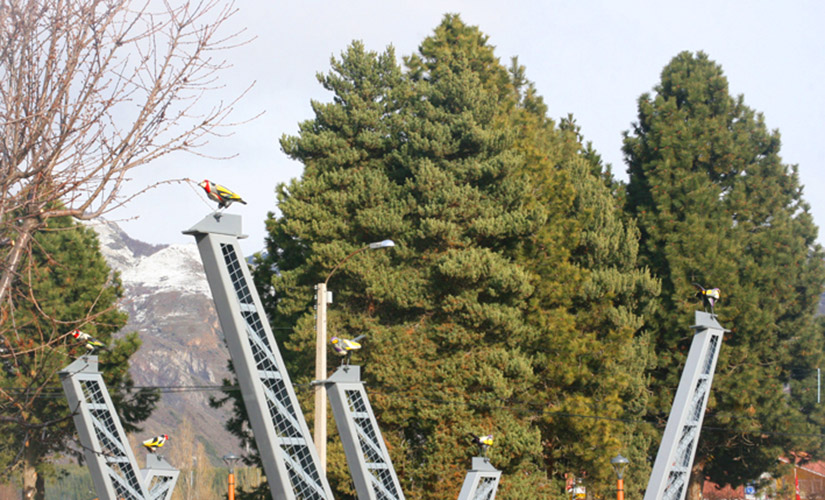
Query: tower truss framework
x,y
367,456
671,470
288,454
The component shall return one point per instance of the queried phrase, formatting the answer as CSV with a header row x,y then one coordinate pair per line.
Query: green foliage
x,y
65,284
586,312
511,303
428,161
716,205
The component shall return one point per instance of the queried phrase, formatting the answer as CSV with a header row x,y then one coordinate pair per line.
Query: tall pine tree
x,y
511,300
426,159
716,206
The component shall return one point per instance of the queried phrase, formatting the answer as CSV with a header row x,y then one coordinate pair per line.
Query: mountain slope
x,y
169,304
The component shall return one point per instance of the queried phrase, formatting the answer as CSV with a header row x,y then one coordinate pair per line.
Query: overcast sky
x,y
589,58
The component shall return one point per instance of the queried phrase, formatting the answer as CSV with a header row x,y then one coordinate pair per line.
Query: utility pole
x,y
320,428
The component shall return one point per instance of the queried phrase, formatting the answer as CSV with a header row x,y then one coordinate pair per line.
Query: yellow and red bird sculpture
x,y
92,344
223,196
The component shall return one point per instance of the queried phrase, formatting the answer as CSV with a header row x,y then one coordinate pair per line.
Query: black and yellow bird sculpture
x,y
155,443
223,196
92,344
484,443
345,347
709,296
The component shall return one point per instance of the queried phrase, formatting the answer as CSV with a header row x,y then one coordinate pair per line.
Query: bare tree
x,y
90,89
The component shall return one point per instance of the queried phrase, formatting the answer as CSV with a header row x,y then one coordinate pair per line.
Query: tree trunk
x,y
30,476
697,482
15,256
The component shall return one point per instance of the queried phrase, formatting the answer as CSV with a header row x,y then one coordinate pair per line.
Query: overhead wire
x,y
509,404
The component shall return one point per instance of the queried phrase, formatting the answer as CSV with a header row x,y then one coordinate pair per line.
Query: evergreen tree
x,y
587,310
426,158
66,284
716,206
511,302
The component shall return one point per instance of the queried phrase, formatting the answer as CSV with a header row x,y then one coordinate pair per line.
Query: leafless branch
x,y
90,89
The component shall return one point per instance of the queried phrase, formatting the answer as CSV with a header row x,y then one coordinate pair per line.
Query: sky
x,y
590,58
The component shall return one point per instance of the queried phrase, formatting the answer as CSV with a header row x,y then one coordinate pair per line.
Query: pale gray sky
x,y
590,58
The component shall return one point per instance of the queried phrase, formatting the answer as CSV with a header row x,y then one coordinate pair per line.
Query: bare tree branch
x,y
90,89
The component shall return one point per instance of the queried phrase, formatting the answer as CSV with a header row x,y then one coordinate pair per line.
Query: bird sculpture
x,y
220,194
155,443
709,296
92,344
484,443
345,347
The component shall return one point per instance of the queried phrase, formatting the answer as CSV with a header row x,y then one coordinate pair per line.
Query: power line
x,y
510,404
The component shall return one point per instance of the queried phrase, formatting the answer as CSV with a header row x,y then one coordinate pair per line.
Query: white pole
x,y
321,374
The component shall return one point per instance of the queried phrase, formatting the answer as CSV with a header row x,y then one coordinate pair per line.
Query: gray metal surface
x,y
671,471
159,477
105,446
481,482
367,456
289,458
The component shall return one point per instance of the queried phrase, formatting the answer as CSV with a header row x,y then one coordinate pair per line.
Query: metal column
x,y
481,482
159,477
110,459
671,471
286,449
367,457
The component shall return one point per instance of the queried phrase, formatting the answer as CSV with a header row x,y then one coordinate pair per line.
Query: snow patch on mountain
x,y
174,268
158,268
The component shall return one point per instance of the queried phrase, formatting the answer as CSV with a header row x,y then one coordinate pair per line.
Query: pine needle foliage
x,y
717,206
511,300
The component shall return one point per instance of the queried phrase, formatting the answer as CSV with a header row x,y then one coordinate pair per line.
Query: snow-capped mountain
x,y
169,304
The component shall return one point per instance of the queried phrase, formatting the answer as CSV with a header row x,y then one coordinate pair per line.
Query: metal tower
x,y
671,471
287,452
159,477
367,457
111,461
481,482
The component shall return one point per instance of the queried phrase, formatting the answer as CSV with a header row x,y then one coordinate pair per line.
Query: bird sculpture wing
x,y
351,345
155,442
92,344
227,194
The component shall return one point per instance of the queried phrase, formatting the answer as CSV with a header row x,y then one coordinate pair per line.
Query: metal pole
x,y
620,491
321,353
321,374
231,495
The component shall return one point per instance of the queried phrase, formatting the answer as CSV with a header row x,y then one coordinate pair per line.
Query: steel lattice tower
x,y
367,456
481,482
671,471
288,454
110,459
159,477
